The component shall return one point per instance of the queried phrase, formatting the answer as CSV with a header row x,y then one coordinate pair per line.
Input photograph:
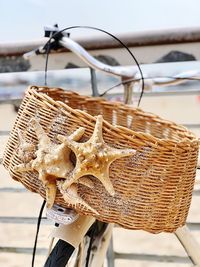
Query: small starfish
x,y
94,157
52,161
71,196
25,150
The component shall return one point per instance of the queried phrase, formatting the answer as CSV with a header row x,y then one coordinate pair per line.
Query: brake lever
x,y
49,31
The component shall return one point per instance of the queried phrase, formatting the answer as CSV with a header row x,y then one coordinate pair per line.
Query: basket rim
x,y
183,144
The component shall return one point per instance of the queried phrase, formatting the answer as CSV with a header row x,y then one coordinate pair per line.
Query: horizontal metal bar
x,y
146,94
22,220
21,250
126,256
13,190
196,192
133,39
192,125
170,93
151,257
4,133
155,94
194,226
16,101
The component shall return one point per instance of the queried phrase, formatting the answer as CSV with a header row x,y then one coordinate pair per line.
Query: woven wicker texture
x,y
153,187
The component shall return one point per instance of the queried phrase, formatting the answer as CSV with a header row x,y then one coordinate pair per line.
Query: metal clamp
x,y
62,215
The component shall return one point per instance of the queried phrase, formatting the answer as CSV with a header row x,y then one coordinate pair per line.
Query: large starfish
x,y
52,161
94,157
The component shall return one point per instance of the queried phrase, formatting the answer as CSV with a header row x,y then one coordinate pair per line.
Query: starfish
x,y
71,196
94,157
25,150
52,160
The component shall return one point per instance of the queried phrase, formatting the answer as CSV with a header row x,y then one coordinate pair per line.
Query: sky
x,y
24,19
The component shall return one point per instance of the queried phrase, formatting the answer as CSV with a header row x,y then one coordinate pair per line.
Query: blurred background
x,y
165,38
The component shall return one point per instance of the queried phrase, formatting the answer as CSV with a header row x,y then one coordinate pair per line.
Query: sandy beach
x,y
185,109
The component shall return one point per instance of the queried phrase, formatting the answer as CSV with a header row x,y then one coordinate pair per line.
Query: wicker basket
x,y
153,188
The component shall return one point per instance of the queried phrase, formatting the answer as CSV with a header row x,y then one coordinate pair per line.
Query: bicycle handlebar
x,y
93,62
122,71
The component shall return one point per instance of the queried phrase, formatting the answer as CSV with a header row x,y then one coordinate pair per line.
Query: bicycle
x,y
63,250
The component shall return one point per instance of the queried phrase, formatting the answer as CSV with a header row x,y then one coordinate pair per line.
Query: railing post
x,y
94,82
